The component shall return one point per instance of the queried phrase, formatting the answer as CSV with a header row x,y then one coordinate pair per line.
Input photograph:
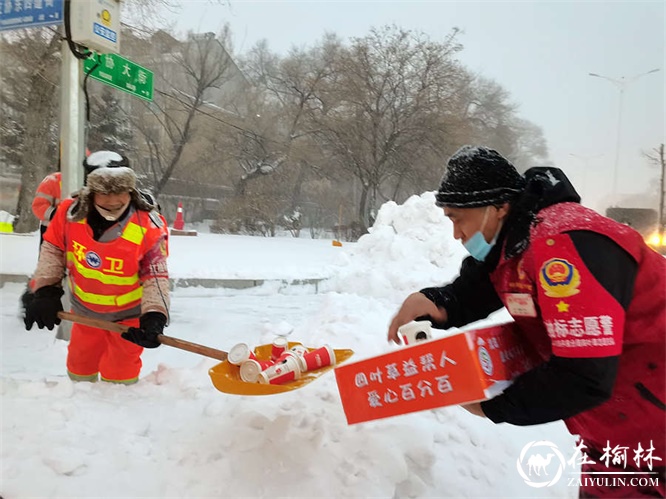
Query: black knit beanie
x,y
478,176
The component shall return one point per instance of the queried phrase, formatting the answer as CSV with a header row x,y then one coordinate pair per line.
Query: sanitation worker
x,y
46,200
113,245
585,292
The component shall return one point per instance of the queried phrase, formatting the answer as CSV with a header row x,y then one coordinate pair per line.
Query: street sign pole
x,y
72,110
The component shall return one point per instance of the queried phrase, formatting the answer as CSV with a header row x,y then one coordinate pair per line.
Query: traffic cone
x,y
179,223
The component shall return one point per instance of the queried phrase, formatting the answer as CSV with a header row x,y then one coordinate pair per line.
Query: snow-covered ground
x,y
174,435
212,256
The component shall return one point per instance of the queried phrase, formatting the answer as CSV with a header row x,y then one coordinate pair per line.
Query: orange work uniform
x,y
47,197
105,282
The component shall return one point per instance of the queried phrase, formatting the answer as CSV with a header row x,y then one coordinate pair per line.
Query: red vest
x,y
562,309
104,275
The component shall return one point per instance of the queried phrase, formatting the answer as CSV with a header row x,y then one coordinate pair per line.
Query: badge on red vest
x,y
520,304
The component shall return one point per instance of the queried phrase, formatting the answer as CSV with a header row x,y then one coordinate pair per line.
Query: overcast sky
x,y
541,52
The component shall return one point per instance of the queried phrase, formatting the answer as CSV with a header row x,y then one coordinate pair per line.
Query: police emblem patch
x,y
559,278
93,259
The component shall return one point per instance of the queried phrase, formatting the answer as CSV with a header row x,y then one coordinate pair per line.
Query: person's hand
x,y
416,305
474,408
151,324
42,307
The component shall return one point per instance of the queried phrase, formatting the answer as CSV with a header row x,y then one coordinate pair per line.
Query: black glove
x,y
26,299
42,307
150,325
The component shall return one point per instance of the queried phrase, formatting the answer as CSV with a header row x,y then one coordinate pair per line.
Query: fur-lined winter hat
x,y
110,175
478,176
112,180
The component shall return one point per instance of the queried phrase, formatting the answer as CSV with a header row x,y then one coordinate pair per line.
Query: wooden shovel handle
x,y
163,339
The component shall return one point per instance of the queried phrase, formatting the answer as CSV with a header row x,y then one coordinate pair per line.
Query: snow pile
x,y
409,247
6,217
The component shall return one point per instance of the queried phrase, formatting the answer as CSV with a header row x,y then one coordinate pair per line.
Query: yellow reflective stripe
x,y
108,300
130,381
129,297
101,276
82,377
133,233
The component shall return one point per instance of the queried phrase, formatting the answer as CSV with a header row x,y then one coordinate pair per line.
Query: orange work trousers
x,y
92,350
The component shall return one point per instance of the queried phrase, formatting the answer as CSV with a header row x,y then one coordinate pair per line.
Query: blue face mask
x,y
477,246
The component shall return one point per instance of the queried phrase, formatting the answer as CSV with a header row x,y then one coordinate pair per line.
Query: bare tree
x,y
529,147
377,119
385,110
491,119
187,75
29,111
109,127
291,90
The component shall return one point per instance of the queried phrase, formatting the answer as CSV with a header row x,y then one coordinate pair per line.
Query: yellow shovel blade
x,y
226,377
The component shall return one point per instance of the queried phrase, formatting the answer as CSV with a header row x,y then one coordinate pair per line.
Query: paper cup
x,y
321,357
250,369
240,353
284,372
279,347
415,331
299,350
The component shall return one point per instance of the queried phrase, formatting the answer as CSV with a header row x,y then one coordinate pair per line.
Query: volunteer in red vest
x,y
586,293
46,200
113,245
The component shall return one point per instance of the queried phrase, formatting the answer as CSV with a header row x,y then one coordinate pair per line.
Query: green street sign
x,y
120,73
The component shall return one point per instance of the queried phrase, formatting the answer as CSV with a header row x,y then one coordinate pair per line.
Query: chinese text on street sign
x,y
120,73
16,14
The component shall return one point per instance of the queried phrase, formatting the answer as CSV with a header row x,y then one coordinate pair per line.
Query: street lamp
x,y
621,84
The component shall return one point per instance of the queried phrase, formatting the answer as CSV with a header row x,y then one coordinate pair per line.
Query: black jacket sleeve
x,y
557,389
469,298
563,387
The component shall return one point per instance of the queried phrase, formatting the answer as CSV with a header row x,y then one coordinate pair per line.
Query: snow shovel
x,y
163,339
225,376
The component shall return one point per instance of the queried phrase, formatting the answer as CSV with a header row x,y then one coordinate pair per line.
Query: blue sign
x,y
107,33
15,14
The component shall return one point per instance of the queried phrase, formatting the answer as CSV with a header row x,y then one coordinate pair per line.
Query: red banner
x,y
465,367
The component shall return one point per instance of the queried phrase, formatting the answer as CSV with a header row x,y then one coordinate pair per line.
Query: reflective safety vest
x,y
103,276
47,197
